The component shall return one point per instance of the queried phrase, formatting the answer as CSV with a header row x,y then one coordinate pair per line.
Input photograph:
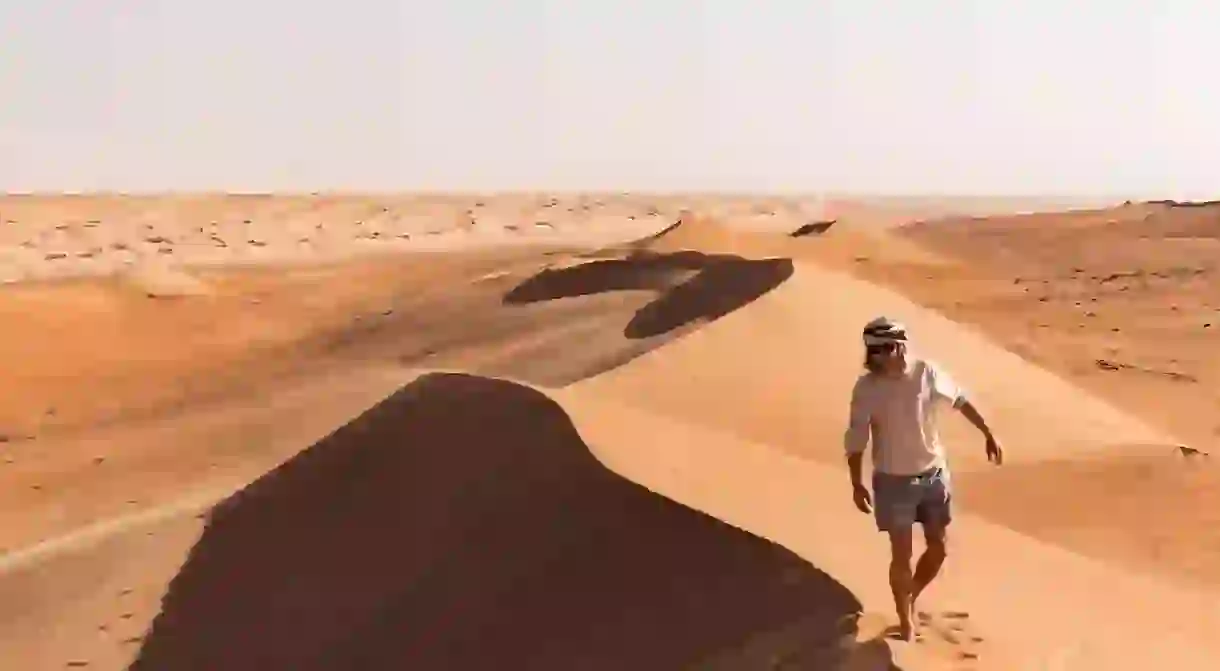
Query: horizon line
x,y
603,191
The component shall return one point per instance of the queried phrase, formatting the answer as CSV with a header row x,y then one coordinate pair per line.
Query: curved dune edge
x,y
833,244
812,324
1033,604
223,578
791,386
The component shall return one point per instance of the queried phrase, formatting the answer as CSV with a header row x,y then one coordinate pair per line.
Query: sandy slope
x,y
1073,448
328,560
646,557
1134,287
466,500
1122,302
790,389
1033,605
154,353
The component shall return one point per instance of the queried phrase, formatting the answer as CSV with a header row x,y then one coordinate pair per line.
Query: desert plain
x,y
593,431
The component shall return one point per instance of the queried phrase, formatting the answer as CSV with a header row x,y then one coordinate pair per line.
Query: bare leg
x,y
931,561
901,580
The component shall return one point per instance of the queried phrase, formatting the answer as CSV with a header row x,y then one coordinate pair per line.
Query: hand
x,y
994,453
863,500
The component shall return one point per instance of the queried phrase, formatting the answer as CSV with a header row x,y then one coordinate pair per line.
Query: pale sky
x,y
991,96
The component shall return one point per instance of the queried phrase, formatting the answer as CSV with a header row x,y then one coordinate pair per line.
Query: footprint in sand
x,y
950,632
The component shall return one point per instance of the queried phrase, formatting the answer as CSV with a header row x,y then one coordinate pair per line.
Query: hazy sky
x,y
1097,96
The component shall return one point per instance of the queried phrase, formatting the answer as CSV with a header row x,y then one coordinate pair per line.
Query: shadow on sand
x,y
693,286
813,228
463,524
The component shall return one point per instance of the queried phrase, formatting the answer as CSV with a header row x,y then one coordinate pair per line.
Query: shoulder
x,y
937,378
932,373
929,368
864,383
865,379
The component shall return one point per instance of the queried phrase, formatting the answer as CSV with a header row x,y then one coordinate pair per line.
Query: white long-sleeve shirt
x,y
900,415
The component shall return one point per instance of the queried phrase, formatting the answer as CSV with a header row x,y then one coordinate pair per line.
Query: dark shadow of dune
x,y
462,523
693,286
639,272
812,228
720,288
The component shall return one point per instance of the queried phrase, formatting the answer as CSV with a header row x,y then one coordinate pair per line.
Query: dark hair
x,y
871,364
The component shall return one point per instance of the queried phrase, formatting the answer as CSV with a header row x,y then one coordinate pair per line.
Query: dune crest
x,y
834,244
329,560
784,366
694,232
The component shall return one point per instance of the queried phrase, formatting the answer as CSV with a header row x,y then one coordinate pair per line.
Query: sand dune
x,y
997,586
553,515
660,487
790,390
512,547
1120,302
47,237
823,241
549,559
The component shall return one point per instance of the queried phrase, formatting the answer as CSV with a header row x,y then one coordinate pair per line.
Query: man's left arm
x,y
946,387
972,414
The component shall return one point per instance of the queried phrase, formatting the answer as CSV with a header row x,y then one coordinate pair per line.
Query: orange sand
x,y
595,431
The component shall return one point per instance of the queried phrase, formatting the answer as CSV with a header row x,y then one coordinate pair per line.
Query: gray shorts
x,y
902,500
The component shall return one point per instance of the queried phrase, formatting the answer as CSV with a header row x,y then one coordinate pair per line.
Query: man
x,y
895,402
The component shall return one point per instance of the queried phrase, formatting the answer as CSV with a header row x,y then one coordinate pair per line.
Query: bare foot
x,y
906,625
898,633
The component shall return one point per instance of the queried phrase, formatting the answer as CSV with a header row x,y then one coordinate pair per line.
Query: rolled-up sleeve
x,y
944,386
855,438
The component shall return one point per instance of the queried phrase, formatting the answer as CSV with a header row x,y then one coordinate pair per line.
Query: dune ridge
x,y
547,471
808,329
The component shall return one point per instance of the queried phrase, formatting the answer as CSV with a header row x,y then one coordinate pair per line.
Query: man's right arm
x,y
855,438
855,465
